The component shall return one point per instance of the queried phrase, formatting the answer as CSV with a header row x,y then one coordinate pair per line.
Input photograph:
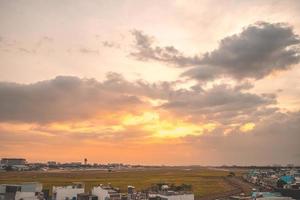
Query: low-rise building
x,y
24,191
106,193
67,192
269,196
171,195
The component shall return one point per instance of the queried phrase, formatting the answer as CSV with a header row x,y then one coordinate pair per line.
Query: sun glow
x,y
156,125
167,127
247,127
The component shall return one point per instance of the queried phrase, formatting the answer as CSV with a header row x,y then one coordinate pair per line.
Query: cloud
x,y
25,50
14,45
85,50
62,98
274,140
113,112
259,50
68,98
110,44
145,50
221,103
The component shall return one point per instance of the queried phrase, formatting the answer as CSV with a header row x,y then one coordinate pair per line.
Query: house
x,y
24,191
171,195
269,196
67,192
106,193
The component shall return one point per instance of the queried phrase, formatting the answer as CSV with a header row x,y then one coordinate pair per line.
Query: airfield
x,y
205,181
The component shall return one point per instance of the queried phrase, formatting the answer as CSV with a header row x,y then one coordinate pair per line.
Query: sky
x,y
172,82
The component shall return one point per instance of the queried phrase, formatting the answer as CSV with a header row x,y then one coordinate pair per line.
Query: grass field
x,y
204,181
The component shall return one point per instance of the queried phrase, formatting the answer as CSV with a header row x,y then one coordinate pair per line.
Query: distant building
x,y
13,161
67,192
106,193
51,163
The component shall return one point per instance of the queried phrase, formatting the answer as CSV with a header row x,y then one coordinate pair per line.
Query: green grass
x,y
204,181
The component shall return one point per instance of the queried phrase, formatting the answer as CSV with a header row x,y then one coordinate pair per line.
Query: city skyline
x,y
151,82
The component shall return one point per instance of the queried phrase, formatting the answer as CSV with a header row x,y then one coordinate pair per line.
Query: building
x,y
166,193
51,163
67,192
13,161
130,192
269,196
85,196
24,191
106,193
171,195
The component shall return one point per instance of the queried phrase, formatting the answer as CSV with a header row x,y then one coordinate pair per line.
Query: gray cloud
x,y
259,50
110,44
256,52
146,50
62,98
222,103
67,98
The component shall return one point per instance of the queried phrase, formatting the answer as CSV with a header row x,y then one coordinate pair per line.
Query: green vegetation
x,y
204,181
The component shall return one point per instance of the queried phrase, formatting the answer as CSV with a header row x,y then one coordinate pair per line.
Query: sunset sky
x,y
174,82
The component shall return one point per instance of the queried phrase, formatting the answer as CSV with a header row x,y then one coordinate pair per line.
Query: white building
x,y
24,191
106,193
171,195
26,196
67,192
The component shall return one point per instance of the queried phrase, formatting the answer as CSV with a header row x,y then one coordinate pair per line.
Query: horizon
x,y
207,83
28,162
